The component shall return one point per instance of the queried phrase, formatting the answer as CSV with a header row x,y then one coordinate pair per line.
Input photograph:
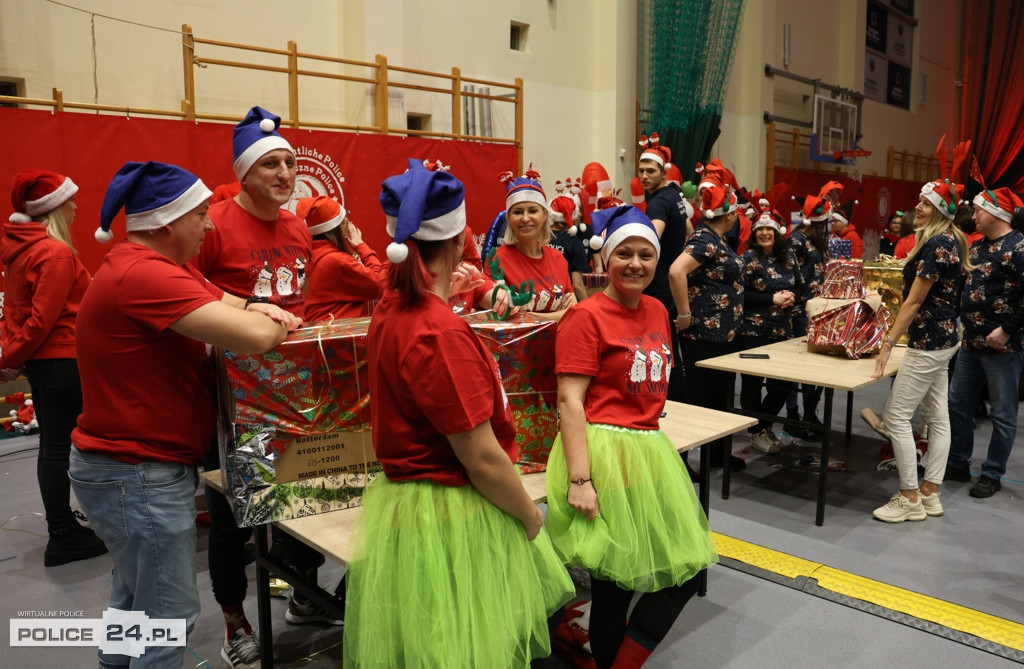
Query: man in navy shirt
x,y
992,350
667,211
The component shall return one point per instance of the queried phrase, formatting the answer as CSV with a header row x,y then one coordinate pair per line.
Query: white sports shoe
x,y
899,508
932,505
241,651
766,442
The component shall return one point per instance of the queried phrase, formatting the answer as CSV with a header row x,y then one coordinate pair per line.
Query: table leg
x,y
730,403
263,596
705,503
826,442
849,418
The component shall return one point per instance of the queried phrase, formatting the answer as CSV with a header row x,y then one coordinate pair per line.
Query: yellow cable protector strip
x,y
983,625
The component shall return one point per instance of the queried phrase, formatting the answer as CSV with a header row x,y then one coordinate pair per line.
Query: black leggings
x,y
652,617
57,399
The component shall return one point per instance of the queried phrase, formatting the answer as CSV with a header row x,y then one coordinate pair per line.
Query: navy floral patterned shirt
x,y
934,325
767,274
715,288
994,290
812,268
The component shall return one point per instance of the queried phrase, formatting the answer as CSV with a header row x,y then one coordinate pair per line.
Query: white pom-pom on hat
x,y
103,236
397,252
18,217
28,403
573,229
583,227
267,125
596,242
709,213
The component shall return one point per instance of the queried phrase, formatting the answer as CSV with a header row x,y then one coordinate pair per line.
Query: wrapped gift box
x,y
524,348
295,437
843,280
852,328
840,248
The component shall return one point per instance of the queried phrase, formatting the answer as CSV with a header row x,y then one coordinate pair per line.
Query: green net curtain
x,y
686,53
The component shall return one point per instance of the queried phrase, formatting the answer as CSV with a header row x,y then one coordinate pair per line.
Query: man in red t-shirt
x,y
257,251
147,388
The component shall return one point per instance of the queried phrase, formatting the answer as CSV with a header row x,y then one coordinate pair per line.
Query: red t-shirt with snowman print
x,y
628,354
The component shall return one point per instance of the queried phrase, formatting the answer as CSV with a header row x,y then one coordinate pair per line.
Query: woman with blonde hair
x,y
525,255
928,318
44,285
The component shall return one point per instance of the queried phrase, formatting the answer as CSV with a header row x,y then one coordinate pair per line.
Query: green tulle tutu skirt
x,y
440,577
651,532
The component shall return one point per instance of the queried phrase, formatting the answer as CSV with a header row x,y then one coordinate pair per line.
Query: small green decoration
x,y
518,295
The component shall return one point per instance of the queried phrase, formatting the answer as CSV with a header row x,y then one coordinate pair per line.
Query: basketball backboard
x,y
834,130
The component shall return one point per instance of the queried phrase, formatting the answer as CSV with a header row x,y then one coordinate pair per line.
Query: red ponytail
x,y
411,278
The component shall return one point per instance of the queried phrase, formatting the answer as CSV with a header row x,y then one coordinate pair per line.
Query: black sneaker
x,y
812,433
961,474
78,543
985,487
793,430
304,614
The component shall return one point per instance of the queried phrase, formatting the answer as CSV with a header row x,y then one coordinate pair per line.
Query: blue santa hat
x,y
617,224
524,189
152,194
255,137
422,204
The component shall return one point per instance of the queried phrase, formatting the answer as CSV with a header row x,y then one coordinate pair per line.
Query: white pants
x,y
923,380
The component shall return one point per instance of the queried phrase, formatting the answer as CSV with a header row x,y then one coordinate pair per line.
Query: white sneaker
x,y
766,442
932,505
899,508
241,651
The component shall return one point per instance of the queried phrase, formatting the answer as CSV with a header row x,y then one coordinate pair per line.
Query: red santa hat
x,y
321,214
652,150
819,208
36,192
943,195
999,202
564,209
673,175
716,201
715,174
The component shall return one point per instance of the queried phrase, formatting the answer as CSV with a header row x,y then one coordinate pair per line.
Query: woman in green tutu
x,y
451,566
620,502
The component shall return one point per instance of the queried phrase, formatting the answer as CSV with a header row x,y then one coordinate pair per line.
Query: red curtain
x,y
993,98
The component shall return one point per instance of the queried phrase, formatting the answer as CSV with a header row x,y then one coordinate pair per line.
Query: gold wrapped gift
x,y
886,277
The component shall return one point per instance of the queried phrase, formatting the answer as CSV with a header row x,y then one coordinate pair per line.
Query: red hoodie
x,y
44,284
856,244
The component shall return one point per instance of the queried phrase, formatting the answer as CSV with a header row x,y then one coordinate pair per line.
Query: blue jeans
x,y
973,369
145,514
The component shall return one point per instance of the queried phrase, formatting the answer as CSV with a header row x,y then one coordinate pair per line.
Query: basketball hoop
x,y
855,159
